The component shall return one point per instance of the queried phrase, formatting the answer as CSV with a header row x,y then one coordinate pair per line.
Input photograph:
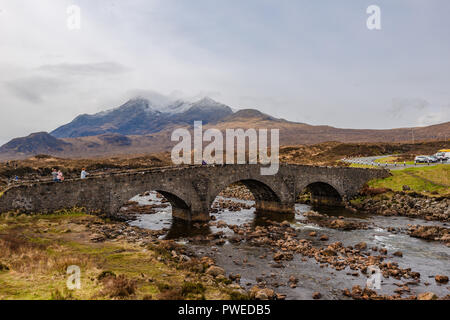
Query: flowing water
x,y
427,257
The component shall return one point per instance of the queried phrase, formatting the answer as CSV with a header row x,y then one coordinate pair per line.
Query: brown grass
x,y
170,293
119,287
26,256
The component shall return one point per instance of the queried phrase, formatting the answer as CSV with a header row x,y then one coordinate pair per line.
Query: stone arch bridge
x,y
191,190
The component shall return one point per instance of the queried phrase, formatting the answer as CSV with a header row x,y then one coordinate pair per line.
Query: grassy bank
x,y
430,180
35,252
395,159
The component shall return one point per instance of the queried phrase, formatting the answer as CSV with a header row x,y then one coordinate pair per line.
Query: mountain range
x,y
142,126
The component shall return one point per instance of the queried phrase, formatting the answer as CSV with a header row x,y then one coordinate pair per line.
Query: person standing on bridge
x,y
84,174
60,176
55,175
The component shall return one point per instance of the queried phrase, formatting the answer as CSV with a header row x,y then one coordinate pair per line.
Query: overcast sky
x,y
307,61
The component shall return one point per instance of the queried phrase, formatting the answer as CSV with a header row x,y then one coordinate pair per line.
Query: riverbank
x,y
117,261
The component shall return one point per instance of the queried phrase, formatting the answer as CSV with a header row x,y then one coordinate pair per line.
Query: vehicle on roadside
x,y
443,154
441,157
432,159
421,159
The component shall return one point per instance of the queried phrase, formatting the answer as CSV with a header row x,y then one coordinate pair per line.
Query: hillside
x,y
141,127
35,143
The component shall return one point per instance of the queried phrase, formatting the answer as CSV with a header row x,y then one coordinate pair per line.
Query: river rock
x,y
215,271
361,246
441,279
262,294
427,296
398,254
316,295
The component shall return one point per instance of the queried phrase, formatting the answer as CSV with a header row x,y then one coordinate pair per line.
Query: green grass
x,y
433,179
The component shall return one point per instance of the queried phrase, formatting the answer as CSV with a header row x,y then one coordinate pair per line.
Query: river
x,y
252,263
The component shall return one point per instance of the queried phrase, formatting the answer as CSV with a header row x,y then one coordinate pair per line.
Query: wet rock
x,y
434,233
285,224
441,279
293,280
427,296
313,214
262,294
220,242
398,254
236,277
344,225
207,261
316,295
323,238
215,271
346,292
313,234
280,296
361,246
279,256
221,224
329,252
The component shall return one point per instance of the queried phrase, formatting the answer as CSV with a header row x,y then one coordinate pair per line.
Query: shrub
x,y
163,286
119,286
171,294
374,191
236,295
105,274
191,287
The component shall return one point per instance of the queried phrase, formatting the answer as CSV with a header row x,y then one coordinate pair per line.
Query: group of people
x,y
58,176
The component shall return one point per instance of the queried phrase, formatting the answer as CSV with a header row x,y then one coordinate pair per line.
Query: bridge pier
x,y
181,213
189,215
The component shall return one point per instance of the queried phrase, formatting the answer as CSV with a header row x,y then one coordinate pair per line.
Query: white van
x,y
443,154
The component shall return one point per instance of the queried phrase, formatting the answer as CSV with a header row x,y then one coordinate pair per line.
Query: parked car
x,y
433,159
421,159
444,156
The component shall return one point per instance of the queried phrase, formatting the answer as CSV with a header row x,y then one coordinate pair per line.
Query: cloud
x,y
33,89
286,58
402,107
431,118
85,69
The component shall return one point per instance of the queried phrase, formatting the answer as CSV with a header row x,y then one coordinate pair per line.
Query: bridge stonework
x,y
190,190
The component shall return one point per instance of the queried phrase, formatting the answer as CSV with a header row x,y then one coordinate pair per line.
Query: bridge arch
x,y
322,192
179,199
268,196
